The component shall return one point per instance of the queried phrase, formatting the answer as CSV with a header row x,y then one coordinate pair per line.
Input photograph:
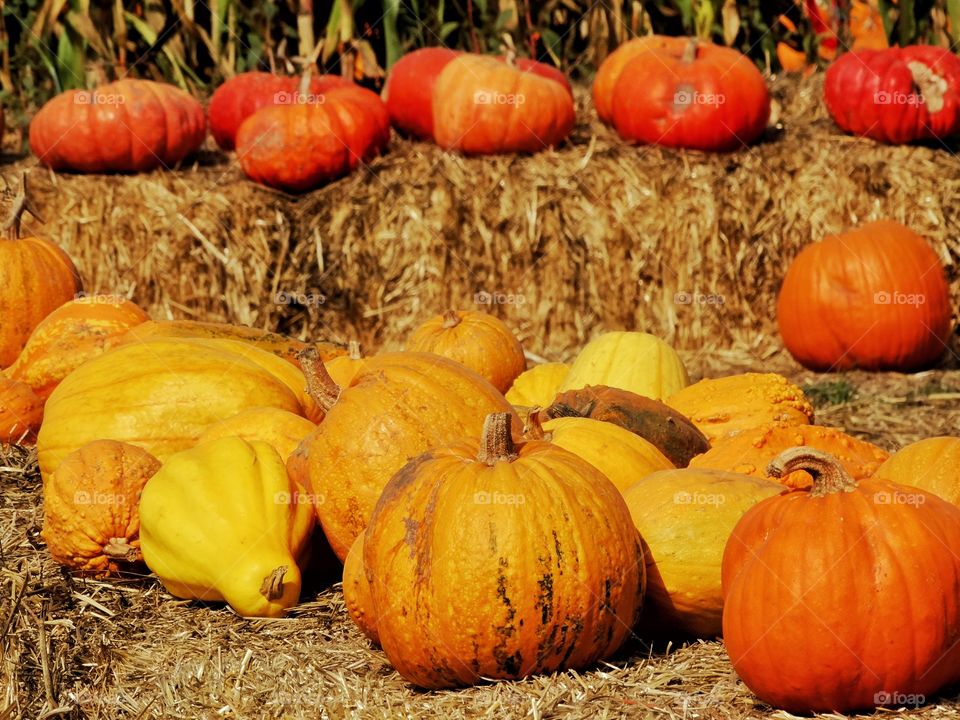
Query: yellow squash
x,y
281,429
932,464
223,522
537,387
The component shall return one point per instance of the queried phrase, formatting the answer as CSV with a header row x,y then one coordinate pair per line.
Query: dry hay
x,y
596,235
128,650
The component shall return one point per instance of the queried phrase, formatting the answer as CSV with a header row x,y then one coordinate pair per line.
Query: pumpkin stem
x,y
497,442
451,319
533,427
120,549
353,350
690,51
829,476
272,586
932,87
21,203
322,388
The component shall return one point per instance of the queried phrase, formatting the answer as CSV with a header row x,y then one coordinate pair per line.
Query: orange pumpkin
x,y
357,592
932,464
610,69
475,339
21,412
874,298
69,336
344,368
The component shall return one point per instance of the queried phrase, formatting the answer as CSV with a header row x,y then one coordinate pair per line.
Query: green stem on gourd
x,y
829,475
496,444
21,204
690,51
322,388
272,586
451,318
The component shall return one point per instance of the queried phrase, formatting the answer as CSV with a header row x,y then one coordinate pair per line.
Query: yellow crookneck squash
x,y
223,522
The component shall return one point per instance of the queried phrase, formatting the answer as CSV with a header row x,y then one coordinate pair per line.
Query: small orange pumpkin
x,y
21,412
344,368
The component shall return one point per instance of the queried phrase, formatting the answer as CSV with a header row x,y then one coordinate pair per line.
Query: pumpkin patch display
x,y
537,387
931,464
91,520
797,566
896,95
125,126
554,574
874,298
222,522
21,412
476,340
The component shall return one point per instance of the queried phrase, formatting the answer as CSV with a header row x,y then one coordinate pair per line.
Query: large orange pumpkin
x,y
21,412
843,597
874,298
489,560
932,464
126,126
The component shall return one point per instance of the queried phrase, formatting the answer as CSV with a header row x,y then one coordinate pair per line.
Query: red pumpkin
x,y
874,298
241,96
298,147
126,126
609,71
682,92
896,95
408,92
484,106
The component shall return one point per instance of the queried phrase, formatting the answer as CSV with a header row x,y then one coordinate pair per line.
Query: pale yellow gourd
x,y
537,387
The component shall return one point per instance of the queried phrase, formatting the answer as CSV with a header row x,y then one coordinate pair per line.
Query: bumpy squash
x,y
639,362
932,464
727,405
538,386
223,522
21,412
280,429
685,518
357,592
91,520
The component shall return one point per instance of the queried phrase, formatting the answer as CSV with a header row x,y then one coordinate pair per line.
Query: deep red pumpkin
x,y
409,90
896,95
241,96
126,126
298,147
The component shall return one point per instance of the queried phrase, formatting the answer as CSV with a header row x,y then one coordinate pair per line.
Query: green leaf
x,y
391,37
953,12
447,28
71,59
907,26
502,20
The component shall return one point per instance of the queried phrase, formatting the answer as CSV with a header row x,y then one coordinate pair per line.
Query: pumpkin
x,y
613,65
21,412
280,429
475,339
687,93
408,92
36,277
126,126
729,405
620,455
301,146
843,597
223,522
751,451
537,387
668,430
485,106
161,395
639,362
344,367
932,464
685,518
242,95
69,336
489,560
91,521
280,345
896,95
357,592
397,407
874,298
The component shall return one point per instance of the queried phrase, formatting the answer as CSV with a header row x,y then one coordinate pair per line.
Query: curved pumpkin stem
x,y
322,388
829,476
497,443
272,586
451,318
353,350
690,51
533,427
21,204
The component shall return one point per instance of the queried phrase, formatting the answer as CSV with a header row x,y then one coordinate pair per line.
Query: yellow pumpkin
x,y
685,518
727,405
538,386
639,362
222,522
281,429
932,464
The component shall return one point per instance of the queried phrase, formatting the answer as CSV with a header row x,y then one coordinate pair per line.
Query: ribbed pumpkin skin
x,y
932,464
880,588
69,336
91,521
729,405
874,298
159,395
685,518
399,406
639,362
219,519
477,340
21,412
408,92
466,588
484,106
610,69
36,277
537,387
357,593
126,126
751,451
280,429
